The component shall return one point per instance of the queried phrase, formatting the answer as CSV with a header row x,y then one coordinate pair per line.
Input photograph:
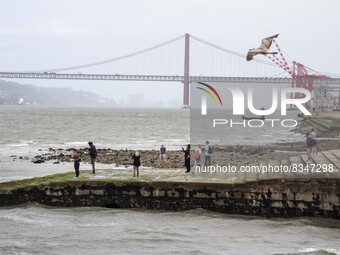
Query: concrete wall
x,y
269,198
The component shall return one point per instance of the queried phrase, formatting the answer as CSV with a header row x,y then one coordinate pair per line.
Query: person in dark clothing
x,y
76,156
162,152
136,163
93,155
315,146
187,158
309,144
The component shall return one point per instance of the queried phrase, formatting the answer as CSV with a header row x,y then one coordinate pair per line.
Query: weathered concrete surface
x,y
269,198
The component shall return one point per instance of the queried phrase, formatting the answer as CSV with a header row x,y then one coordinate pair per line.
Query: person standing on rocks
x,y
136,163
207,154
187,158
309,144
93,155
76,157
315,146
162,153
197,156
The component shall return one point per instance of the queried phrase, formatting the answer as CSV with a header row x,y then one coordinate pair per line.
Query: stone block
x,y
56,200
130,193
219,202
144,193
97,192
301,206
277,204
6,192
276,196
172,193
331,199
81,192
304,197
326,206
159,193
50,192
202,195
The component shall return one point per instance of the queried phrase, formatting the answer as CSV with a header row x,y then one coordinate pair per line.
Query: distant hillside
x,y
15,93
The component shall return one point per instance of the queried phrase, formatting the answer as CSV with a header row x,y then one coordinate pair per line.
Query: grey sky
x,y
40,34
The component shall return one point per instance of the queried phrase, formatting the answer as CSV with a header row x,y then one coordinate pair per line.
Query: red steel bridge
x,y
190,59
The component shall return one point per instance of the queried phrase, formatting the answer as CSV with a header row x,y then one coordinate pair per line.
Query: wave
x,y
76,143
311,251
17,145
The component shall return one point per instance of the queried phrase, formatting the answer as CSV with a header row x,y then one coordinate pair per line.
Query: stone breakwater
x,y
268,198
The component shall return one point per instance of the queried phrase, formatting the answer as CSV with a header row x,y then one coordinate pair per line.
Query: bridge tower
x,y
186,72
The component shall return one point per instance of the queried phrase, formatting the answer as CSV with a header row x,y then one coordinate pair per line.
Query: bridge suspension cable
x,y
167,58
230,51
208,59
114,59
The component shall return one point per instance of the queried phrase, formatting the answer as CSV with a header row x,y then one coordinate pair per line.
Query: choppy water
x,y
107,127
26,130
42,230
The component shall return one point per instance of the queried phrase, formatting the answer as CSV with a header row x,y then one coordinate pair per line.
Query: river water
x,y
40,230
28,131
35,229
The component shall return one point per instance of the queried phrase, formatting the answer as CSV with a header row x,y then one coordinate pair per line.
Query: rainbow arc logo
x,y
212,93
209,93
238,97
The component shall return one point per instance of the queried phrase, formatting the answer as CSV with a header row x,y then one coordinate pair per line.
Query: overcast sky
x,y
40,34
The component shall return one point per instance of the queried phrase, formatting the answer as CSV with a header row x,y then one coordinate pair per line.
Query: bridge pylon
x,y
186,72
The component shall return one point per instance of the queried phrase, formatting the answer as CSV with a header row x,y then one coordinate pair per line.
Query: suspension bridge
x,y
188,59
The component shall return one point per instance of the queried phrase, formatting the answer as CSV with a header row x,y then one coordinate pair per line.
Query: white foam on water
x,y
84,143
321,250
48,230
17,144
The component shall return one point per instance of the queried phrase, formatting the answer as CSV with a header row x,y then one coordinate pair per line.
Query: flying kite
x,y
263,49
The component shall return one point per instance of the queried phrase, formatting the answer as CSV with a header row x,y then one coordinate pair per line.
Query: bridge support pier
x,y
186,72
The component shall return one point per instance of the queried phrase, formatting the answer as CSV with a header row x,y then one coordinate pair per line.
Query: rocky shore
x,y
330,118
235,154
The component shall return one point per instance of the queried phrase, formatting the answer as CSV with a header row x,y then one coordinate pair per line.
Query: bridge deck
x,y
121,77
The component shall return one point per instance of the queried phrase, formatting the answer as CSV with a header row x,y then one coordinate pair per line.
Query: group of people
x,y
136,158
187,157
76,156
197,156
310,143
93,155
